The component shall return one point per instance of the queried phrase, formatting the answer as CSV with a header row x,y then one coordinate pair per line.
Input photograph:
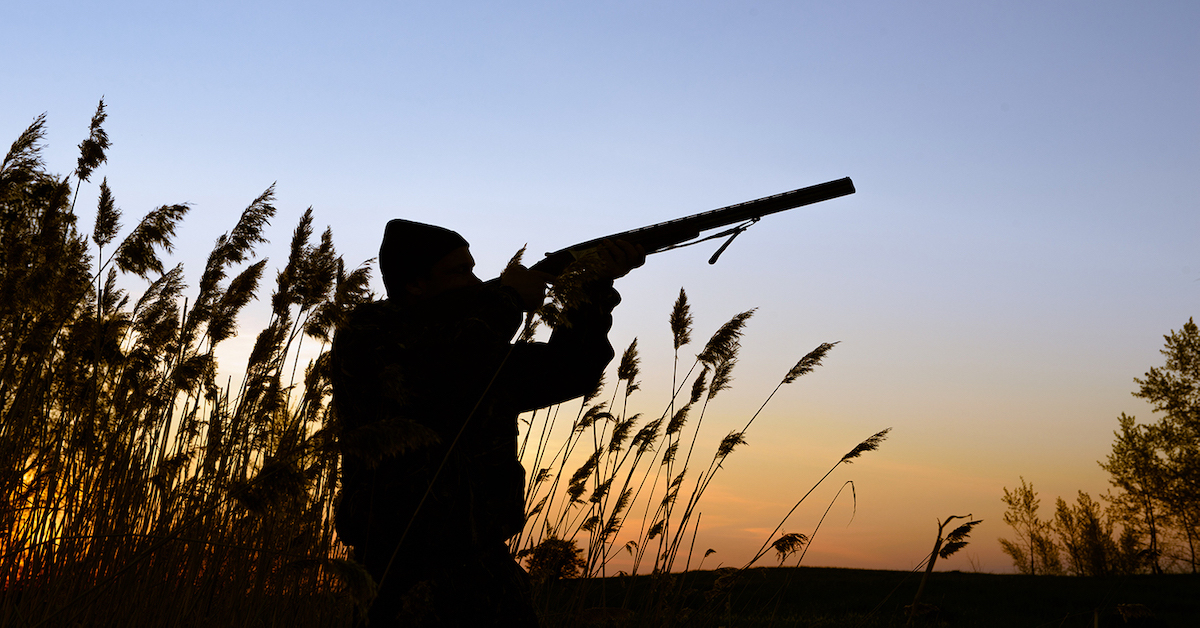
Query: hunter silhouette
x,y
427,387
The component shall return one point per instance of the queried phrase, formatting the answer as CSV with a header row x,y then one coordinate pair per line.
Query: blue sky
x,y
1023,235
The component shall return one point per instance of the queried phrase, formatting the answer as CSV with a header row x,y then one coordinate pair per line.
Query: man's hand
x,y
529,284
619,258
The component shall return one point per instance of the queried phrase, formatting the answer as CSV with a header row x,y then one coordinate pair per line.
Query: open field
x,y
819,596
804,596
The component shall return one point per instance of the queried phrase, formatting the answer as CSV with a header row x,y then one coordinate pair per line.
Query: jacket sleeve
x,y
570,364
466,350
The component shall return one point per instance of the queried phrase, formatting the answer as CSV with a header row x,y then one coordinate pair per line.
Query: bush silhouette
x,y
553,558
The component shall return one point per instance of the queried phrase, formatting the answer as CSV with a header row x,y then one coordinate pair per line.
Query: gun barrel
x,y
659,236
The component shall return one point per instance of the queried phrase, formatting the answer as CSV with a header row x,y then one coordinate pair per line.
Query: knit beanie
x,y
409,251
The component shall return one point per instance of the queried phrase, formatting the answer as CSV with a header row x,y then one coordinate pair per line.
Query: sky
x,y
1023,235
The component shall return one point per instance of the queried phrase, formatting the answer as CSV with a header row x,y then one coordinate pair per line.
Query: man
x,y
427,388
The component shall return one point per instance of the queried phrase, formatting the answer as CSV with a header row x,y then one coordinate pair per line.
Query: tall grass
x,y
613,481
138,489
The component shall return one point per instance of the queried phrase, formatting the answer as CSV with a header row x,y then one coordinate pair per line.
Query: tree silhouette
x,y
1135,469
1087,538
1034,551
1156,466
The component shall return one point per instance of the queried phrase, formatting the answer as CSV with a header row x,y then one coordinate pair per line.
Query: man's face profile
x,y
455,270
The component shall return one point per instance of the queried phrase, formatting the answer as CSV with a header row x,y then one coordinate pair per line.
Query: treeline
x,y
1148,522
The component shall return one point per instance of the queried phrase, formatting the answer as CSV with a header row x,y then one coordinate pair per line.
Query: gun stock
x,y
682,231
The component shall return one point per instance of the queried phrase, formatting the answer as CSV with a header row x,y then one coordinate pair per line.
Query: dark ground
x,y
809,596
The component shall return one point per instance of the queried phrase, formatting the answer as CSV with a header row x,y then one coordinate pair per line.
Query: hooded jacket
x,y
440,384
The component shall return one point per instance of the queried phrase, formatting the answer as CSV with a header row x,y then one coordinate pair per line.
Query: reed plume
x,y
23,161
138,253
787,544
108,217
627,369
92,150
809,362
681,321
724,344
870,444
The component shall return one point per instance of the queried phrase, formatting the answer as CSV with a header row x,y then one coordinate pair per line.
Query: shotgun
x,y
686,231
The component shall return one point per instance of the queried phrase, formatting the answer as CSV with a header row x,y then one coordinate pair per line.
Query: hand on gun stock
x,y
529,284
619,257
